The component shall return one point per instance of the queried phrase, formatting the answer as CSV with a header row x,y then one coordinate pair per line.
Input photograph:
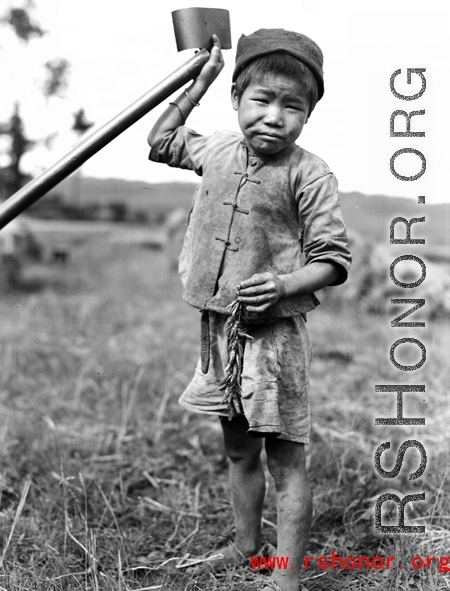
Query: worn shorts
x,y
275,382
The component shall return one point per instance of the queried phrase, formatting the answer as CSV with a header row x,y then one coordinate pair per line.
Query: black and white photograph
x,y
224,295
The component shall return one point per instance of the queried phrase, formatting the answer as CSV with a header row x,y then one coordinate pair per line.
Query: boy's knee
x,y
240,448
286,460
279,471
243,454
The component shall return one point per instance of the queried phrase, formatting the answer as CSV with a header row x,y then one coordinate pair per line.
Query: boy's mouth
x,y
270,136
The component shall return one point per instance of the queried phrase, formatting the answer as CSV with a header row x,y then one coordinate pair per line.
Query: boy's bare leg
x,y
286,463
247,483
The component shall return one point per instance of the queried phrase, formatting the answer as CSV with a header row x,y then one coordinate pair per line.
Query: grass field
x,y
107,484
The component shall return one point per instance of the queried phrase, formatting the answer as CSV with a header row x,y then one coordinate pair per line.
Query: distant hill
x,y
137,195
367,215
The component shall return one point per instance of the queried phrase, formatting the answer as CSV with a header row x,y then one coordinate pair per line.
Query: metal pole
x,y
48,179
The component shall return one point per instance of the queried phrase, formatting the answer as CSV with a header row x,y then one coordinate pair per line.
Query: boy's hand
x,y
172,117
260,291
213,66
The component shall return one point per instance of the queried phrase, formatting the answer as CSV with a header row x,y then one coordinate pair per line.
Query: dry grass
x,y
106,483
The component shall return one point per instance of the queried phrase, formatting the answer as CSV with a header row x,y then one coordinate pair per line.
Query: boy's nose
x,y
273,116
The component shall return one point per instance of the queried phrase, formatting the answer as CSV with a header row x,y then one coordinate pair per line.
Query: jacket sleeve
x,y
181,148
322,230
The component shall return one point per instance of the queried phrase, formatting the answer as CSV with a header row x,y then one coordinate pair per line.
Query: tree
x,y
80,123
19,144
57,77
25,28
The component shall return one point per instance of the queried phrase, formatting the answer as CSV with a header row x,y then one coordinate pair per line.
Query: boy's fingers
x,y
216,41
255,301
259,308
216,48
254,298
253,290
258,279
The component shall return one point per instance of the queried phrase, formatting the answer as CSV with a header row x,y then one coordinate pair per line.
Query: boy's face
x,y
271,112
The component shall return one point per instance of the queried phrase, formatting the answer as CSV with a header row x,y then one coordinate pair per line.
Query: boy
x,y
265,228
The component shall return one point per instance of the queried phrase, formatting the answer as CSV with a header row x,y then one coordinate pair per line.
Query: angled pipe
x,y
98,139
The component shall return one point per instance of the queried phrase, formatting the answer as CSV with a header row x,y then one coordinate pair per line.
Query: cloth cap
x,y
265,41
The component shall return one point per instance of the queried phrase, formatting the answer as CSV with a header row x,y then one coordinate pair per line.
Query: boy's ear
x,y
234,97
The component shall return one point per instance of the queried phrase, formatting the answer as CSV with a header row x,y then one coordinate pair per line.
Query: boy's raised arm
x,y
179,109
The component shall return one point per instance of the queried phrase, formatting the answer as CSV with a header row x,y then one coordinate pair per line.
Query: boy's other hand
x,y
213,66
260,292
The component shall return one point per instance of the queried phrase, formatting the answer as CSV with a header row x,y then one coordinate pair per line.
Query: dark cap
x,y
265,41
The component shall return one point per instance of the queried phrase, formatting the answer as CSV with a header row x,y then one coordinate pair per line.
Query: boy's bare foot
x,y
220,559
225,557
270,584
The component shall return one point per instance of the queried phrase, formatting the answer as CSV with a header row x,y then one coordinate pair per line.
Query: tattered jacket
x,y
254,214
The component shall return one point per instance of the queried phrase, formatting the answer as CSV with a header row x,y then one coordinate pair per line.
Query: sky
x,y
119,50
